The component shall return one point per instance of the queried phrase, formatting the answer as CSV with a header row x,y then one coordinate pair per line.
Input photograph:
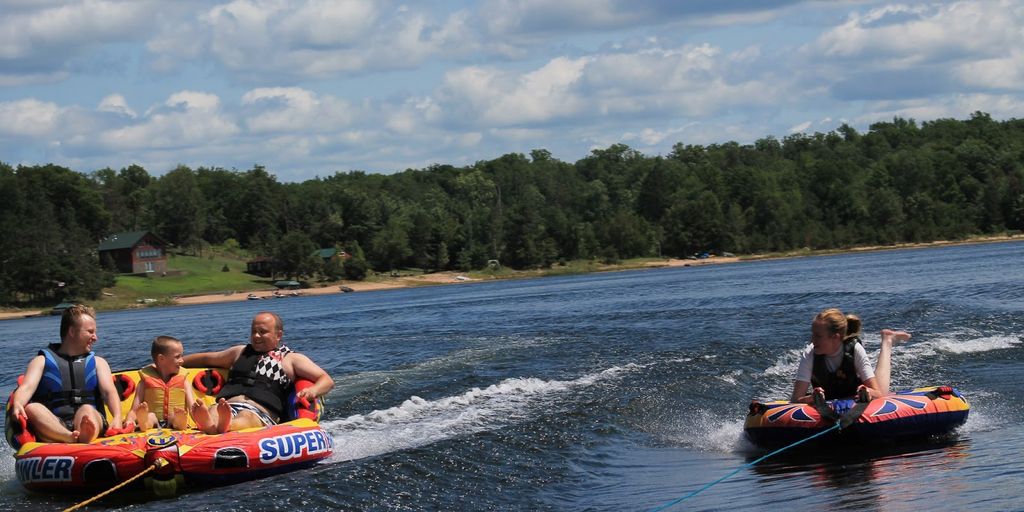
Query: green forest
x,y
901,181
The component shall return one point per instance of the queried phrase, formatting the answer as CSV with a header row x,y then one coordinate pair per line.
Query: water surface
x,y
617,391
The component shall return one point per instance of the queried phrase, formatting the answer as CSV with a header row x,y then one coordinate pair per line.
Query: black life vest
x,y
844,382
68,383
260,377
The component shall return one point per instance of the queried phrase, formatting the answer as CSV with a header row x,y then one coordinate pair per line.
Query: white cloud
x,y
175,42
29,118
325,23
383,86
1006,72
69,26
902,35
187,119
800,128
17,79
293,109
505,98
66,29
239,32
194,101
507,16
523,134
689,80
956,106
652,137
469,139
115,103
315,38
524,17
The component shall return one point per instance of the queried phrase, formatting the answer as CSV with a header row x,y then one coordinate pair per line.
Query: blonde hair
x,y
847,326
72,317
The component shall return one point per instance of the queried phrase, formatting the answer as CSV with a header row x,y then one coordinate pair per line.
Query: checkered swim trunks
x,y
237,407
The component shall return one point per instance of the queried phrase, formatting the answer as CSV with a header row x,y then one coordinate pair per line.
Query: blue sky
x,y
312,87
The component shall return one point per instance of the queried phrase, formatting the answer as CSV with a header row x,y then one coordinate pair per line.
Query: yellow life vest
x,y
163,397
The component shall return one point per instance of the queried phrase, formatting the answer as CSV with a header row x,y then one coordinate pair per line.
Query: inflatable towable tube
x,y
193,458
919,413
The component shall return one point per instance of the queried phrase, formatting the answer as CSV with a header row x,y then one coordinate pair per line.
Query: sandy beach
x,y
433,279
451,277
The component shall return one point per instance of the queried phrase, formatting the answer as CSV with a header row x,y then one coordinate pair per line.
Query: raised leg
x,y
883,368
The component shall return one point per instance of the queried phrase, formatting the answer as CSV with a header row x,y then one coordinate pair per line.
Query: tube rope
x,y
159,463
749,464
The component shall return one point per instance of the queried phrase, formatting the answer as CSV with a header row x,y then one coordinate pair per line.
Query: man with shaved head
x,y
261,374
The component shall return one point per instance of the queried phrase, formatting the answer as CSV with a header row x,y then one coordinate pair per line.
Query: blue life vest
x,y
67,383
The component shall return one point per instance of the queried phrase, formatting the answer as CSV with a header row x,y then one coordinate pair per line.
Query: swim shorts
x,y
237,407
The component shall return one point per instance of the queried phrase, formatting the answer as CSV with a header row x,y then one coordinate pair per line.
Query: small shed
x,y
262,266
331,253
135,252
59,308
288,285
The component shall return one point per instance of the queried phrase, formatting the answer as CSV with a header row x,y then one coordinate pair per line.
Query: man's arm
x,y
189,396
110,396
223,359
305,368
28,386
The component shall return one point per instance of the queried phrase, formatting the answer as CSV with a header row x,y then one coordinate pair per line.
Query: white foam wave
x,y
419,422
706,432
730,377
785,365
978,421
955,343
7,470
779,376
680,360
977,345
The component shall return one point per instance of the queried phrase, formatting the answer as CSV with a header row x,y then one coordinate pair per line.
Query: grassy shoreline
x,y
205,281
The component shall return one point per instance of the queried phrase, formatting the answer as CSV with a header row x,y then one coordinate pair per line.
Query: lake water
x,y
616,391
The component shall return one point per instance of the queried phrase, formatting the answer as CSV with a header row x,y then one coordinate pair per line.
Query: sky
x,y
308,88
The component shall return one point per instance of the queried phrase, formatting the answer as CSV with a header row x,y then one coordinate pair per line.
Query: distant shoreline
x,y
453,277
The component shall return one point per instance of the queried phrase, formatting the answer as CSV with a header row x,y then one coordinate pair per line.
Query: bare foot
x,y
892,337
223,416
87,431
202,417
178,419
142,416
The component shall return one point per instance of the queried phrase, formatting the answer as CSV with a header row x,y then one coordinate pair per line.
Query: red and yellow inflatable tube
x,y
192,458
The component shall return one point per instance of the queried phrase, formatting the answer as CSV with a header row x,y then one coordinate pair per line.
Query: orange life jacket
x,y
163,397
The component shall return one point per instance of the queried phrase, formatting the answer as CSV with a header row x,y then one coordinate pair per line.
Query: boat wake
x,y
963,345
707,432
419,422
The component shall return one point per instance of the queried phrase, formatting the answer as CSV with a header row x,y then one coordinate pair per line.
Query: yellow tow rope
x,y
158,463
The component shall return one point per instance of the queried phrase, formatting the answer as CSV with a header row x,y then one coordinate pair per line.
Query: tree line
x,y
901,181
